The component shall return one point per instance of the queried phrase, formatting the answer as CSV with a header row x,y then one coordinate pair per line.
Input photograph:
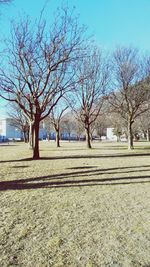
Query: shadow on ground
x,y
82,157
72,179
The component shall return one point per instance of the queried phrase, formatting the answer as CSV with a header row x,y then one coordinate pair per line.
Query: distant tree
x,y
68,125
41,67
56,118
47,126
89,94
143,125
19,121
118,125
101,125
79,128
146,116
130,100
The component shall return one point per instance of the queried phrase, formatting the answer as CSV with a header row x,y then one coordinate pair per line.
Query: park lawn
x,y
75,207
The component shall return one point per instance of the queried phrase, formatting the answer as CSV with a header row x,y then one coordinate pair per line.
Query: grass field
x,y
75,207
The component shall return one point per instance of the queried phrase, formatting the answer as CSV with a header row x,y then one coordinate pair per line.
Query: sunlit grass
x,y
75,207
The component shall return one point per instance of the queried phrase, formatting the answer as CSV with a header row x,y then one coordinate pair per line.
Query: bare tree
x,y
89,95
100,125
120,126
41,67
143,124
130,98
56,117
79,128
47,126
68,125
18,120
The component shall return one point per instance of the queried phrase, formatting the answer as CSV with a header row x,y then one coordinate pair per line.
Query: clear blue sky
x,y
113,22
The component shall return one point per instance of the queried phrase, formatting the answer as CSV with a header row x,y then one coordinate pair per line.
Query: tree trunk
x,y
130,135
48,137
31,135
100,139
25,138
88,140
36,154
148,135
57,138
91,137
28,136
145,134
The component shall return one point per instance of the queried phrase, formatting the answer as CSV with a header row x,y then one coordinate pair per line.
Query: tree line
x,y
49,69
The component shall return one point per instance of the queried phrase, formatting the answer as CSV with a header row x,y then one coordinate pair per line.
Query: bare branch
x,y
41,65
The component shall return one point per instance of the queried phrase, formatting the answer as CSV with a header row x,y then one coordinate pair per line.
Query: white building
x,y
9,131
110,135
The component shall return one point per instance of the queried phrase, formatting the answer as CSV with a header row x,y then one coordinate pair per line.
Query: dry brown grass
x,y
75,207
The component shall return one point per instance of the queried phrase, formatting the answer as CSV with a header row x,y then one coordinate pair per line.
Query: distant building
x,y
11,132
7,130
110,135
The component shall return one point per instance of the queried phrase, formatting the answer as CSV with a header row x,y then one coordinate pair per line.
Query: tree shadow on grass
x,y
7,145
20,166
88,173
82,167
65,180
108,169
82,157
16,160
